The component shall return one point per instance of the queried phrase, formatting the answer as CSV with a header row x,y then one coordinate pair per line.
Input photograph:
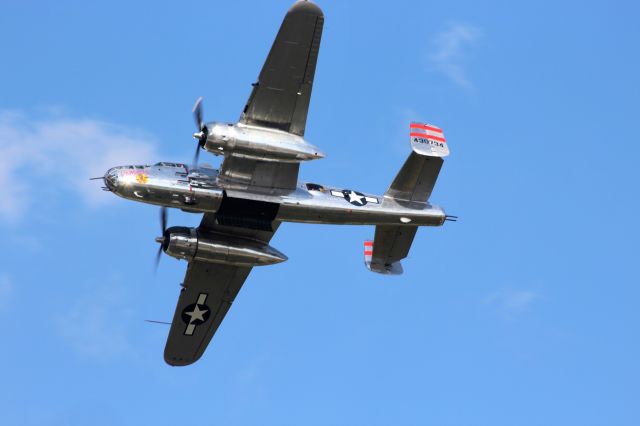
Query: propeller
x,y
161,240
201,134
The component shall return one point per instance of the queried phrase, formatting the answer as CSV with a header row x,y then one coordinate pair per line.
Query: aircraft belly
x,y
330,206
379,215
345,207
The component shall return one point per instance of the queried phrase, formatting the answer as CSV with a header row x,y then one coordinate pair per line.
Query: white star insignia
x,y
196,314
355,197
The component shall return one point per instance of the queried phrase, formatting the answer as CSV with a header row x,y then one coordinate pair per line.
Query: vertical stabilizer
x,y
417,177
368,252
427,139
385,259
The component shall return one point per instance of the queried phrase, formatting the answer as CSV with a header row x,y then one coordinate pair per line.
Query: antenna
x,y
158,322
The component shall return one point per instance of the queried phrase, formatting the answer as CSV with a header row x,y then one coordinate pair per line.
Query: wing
x,y
280,98
243,173
208,291
207,294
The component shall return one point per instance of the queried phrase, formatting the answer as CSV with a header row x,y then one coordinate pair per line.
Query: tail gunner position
x,y
256,189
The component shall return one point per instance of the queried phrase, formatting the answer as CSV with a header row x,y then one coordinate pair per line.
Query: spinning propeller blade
x,y
160,240
163,219
196,157
201,134
197,112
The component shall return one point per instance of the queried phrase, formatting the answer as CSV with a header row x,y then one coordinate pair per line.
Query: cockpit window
x,y
165,164
314,187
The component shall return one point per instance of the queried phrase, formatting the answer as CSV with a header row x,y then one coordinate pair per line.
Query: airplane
x,y
256,189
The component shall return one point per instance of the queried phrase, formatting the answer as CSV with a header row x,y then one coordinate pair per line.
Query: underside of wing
x,y
280,98
244,174
207,293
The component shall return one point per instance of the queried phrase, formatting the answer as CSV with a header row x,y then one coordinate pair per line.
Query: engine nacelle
x,y
189,244
259,143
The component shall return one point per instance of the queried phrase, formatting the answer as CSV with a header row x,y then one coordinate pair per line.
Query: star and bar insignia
x,y
195,314
354,197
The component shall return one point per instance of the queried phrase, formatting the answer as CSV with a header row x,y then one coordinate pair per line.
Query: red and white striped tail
x,y
394,268
368,252
427,139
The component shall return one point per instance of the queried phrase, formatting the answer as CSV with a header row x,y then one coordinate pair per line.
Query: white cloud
x,y
6,290
65,152
449,52
512,302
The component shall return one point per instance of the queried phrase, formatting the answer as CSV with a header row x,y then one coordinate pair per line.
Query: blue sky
x,y
523,313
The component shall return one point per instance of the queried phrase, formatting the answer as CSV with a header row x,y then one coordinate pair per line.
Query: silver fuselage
x,y
198,190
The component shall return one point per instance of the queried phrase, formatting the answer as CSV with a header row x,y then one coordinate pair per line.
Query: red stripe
x,y
425,136
368,243
368,253
425,127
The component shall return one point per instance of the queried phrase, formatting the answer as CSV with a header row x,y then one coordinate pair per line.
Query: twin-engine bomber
x,y
257,188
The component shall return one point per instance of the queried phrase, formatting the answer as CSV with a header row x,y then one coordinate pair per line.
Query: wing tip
x,y
180,361
306,6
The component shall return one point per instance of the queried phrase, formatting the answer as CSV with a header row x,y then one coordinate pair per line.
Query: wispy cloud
x,y
66,152
512,302
449,53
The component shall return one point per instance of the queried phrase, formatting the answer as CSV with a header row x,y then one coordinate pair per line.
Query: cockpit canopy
x,y
129,167
176,165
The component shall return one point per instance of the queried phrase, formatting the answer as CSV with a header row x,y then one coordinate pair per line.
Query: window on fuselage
x,y
314,187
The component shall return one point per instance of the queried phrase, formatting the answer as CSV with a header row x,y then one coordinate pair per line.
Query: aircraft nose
x,y
111,179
